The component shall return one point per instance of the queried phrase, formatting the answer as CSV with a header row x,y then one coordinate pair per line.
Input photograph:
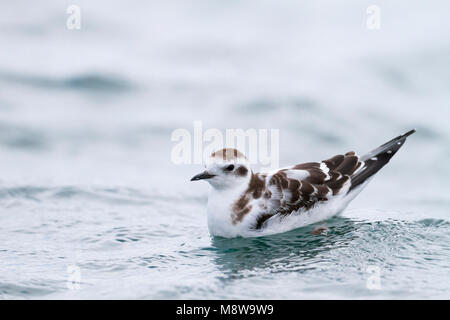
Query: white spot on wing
x,y
361,168
324,167
297,174
325,170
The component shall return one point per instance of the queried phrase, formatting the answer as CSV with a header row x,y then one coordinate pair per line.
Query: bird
x,y
242,203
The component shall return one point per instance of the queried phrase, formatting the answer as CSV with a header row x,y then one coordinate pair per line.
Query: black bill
x,y
203,175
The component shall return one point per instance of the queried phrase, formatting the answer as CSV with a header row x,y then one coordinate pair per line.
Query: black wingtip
x,y
378,158
410,132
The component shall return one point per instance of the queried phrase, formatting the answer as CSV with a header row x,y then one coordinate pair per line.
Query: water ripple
x,y
85,82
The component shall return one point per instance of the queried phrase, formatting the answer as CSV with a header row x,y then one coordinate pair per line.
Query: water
x,y
86,175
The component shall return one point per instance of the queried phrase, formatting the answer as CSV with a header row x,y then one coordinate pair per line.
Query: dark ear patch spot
x,y
242,171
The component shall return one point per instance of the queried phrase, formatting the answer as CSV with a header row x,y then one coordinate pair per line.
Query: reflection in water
x,y
296,250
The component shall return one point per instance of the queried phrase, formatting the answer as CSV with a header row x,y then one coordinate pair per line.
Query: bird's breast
x,y
220,215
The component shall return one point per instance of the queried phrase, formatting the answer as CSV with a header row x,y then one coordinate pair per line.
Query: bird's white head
x,y
225,169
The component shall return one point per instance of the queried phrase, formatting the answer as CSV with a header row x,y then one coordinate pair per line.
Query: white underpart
x,y
220,204
320,212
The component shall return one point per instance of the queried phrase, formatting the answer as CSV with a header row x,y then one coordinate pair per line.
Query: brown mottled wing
x,y
341,168
304,185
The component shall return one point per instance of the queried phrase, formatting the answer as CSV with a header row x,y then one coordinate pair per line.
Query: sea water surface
x,y
93,207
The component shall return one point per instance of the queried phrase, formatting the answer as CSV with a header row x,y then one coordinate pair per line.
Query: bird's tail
x,y
377,159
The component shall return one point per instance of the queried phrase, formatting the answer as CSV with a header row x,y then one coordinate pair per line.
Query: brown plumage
x,y
285,195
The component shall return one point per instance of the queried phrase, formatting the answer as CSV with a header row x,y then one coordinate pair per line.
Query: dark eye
x,y
230,167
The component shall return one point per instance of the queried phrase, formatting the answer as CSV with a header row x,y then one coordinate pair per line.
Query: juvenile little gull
x,y
246,204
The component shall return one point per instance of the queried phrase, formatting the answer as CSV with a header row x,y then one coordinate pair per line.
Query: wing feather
x,y
302,186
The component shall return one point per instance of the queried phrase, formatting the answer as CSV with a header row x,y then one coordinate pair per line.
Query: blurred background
x,y
86,118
